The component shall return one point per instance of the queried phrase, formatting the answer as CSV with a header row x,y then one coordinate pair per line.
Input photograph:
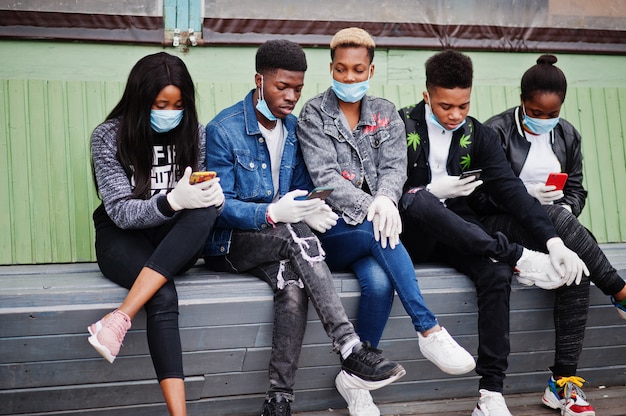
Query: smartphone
x,y
321,192
475,173
557,179
198,177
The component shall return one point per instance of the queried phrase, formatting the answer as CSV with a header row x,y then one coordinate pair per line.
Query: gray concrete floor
x,y
606,401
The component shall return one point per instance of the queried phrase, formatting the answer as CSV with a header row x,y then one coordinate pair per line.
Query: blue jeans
x,y
380,271
289,259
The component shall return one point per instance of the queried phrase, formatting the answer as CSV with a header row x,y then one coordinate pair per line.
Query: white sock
x,y
346,348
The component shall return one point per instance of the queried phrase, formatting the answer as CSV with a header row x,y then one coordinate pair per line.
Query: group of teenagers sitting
x,y
351,184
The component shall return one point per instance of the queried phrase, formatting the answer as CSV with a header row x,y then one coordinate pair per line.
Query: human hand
x,y
545,194
453,186
566,262
386,221
200,195
289,210
322,220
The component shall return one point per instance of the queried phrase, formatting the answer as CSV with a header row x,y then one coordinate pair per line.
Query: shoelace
x,y
496,402
445,343
118,324
280,409
369,355
572,387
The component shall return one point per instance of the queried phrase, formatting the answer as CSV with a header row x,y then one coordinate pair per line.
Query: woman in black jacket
x,y
537,143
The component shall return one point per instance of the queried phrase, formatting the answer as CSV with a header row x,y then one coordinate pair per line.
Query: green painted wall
x,y
53,94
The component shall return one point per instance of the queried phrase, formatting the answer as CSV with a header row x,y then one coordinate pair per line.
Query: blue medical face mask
x,y
262,106
163,121
539,125
351,93
436,122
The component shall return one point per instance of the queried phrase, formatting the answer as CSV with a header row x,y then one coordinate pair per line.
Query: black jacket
x,y
474,146
565,144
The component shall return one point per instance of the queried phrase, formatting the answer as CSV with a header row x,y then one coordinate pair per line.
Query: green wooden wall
x,y
52,95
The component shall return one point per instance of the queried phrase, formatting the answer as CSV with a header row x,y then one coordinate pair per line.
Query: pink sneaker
x,y
108,333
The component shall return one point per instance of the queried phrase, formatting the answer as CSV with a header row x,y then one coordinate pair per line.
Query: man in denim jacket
x,y
265,228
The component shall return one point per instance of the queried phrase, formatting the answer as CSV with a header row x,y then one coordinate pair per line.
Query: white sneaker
x,y
440,349
491,403
359,401
536,268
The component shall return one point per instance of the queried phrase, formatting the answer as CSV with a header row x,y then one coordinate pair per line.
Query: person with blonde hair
x,y
354,143
266,226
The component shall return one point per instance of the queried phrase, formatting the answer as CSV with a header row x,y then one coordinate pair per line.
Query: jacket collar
x,y
330,106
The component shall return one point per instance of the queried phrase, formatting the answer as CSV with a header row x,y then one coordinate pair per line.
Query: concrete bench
x,y
47,367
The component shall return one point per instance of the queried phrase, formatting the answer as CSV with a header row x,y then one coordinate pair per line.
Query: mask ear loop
x,y
261,93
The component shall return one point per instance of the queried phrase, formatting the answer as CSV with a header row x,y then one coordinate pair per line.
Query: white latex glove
x,y
566,262
200,195
545,194
289,210
322,220
385,218
453,186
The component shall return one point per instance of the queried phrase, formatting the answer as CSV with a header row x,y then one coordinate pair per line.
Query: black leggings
x,y
571,303
170,249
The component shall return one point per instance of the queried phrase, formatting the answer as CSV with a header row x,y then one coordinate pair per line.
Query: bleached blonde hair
x,y
352,37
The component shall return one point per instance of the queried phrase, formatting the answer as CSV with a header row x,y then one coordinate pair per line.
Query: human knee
x,y
164,301
291,298
376,285
419,205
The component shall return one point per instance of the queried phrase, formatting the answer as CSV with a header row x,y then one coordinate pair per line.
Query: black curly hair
x,y
544,77
449,69
280,54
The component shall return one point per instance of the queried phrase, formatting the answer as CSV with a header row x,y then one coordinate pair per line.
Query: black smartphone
x,y
475,173
320,192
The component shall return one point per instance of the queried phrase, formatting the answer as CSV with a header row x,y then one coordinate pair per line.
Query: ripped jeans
x,y
290,259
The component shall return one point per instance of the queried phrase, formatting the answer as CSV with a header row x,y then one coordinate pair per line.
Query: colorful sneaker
x,y
108,333
276,408
535,268
359,401
442,350
370,370
491,403
621,307
567,395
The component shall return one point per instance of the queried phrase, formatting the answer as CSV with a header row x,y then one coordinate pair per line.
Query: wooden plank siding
x,y
47,366
45,172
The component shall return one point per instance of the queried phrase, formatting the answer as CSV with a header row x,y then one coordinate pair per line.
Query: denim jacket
x,y
237,151
374,153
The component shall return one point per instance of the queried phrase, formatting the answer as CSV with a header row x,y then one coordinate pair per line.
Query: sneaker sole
x,y
455,371
621,313
344,393
102,350
355,382
477,412
550,400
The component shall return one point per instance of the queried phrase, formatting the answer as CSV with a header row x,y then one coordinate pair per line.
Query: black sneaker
x,y
274,408
369,369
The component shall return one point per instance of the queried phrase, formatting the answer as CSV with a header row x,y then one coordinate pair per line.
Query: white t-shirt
x,y
439,148
540,161
275,141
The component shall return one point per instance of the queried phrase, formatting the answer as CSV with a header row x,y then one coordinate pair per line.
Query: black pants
x,y
169,249
433,232
571,303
